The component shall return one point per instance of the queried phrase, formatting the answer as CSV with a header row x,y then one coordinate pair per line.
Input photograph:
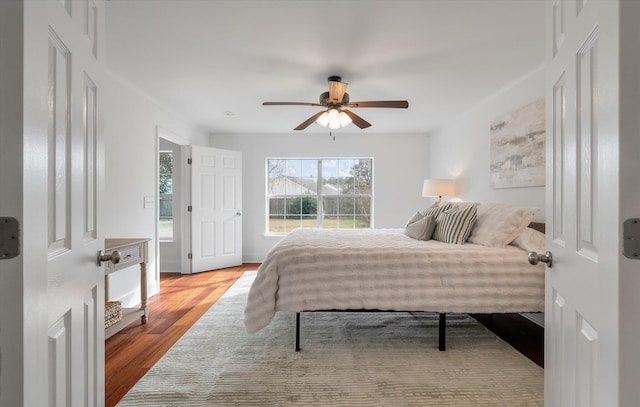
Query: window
x,y
165,223
325,193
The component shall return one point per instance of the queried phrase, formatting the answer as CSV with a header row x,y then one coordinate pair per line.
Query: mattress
x,y
382,269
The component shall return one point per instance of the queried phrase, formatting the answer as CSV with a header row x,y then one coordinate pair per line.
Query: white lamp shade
x,y
438,187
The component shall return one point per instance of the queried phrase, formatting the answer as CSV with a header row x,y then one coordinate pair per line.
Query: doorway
x,y
169,203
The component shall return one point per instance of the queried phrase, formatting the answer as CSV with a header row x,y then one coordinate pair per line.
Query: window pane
x,y
361,171
346,206
292,177
276,215
330,205
345,222
361,222
362,212
330,183
346,177
165,188
330,212
292,173
363,206
275,175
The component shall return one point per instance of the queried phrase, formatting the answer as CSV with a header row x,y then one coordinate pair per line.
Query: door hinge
x,y
189,161
9,238
189,208
189,256
631,238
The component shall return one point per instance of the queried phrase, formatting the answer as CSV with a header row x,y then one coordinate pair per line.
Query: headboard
x,y
539,226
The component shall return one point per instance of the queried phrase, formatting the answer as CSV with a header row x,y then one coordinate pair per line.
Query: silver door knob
x,y
238,213
534,258
113,257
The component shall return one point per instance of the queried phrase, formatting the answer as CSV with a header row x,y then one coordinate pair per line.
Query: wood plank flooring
x,y
183,299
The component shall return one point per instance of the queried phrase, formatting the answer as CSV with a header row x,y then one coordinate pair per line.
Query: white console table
x,y
132,252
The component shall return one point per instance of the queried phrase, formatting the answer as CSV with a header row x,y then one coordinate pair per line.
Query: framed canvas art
x,y
517,156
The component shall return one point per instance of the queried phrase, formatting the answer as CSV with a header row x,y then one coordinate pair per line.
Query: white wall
x,y
131,148
460,149
400,164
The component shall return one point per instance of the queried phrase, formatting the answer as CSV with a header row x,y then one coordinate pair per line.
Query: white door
x,y
583,331
216,208
61,169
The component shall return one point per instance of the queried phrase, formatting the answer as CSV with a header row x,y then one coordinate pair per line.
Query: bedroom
x,y
404,156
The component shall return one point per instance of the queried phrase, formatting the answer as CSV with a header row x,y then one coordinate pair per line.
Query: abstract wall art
x,y
517,156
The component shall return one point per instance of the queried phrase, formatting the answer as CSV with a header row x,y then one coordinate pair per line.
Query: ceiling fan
x,y
335,101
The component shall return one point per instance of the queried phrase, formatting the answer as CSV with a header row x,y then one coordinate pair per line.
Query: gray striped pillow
x,y
435,210
454,224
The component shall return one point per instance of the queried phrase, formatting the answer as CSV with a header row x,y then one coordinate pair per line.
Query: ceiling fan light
x,y
345,119
323,120
334,125
333,115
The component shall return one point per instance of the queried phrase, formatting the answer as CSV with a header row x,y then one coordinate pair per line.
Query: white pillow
x,y
531,240
499,224
420,227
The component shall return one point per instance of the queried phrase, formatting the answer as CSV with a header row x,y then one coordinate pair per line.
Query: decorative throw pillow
x,y
435,210
420,227
415,218
499,224
531,240
454,224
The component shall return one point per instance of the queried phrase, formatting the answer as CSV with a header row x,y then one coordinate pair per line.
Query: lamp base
x,y
437,203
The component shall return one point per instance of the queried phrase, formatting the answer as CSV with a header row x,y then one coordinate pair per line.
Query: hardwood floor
x,y
183,299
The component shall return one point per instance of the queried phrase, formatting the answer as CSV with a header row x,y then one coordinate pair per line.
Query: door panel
x,y
581,344
90,130
216,188
59,85
63,98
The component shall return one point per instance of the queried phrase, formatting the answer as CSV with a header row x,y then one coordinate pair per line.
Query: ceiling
x,y
215,61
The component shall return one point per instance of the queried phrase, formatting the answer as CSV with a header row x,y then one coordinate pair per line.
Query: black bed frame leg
x,y
297,332
442,327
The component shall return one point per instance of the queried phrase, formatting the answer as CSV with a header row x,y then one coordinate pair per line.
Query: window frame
x,y
319,195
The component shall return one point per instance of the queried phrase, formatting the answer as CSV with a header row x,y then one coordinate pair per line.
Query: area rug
x,y
347,359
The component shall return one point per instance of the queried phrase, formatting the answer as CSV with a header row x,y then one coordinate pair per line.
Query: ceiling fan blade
x,y
337,90
290,104
402,104
307,122
357,120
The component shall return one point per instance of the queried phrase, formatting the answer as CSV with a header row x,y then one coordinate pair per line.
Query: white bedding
x,y
315,269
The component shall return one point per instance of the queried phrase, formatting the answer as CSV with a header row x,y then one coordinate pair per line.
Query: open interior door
x,y
216,208
583,195
57,178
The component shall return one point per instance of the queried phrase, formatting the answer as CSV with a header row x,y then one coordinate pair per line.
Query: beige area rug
x,y
347,359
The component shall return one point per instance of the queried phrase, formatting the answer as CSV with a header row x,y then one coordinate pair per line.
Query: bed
x,y
384,269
